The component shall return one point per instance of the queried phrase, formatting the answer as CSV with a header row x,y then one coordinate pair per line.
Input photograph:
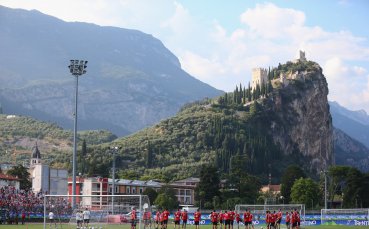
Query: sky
x,y
219,42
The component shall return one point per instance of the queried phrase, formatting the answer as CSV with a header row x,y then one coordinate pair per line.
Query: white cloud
x,y
349,85
266,35
269,21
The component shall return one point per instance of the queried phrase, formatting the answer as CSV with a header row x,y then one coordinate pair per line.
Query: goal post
x,y
259,211
103,211
354,217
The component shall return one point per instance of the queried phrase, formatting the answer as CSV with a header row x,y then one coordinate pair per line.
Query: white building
x,y
46,179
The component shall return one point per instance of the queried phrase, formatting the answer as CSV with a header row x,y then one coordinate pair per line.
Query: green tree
x,y
305,191
337,180
22,173
149,155
209,184
292,173
166,198
350,184
151,193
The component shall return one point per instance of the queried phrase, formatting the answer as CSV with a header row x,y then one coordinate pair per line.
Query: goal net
x,y
355,217
259,211
94,211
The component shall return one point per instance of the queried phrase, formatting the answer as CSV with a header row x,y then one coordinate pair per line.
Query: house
x,y
8,180
185,190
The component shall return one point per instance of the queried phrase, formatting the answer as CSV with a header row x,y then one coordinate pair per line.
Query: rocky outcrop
x,y
304,124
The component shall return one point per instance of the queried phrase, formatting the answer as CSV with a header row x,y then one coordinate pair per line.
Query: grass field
x,y
126,226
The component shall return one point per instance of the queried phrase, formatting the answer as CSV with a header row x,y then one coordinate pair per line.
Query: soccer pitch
x,y
127,226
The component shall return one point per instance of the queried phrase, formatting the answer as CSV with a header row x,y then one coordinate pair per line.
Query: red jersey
x,y
267,218
157,216
133,214
165,215
298,218
184,215
177,216
197,216
246,217
220,216
226,216
279,215
293,218
146,215
251,216
273,217
214,217
231,215
238,218
288,218
162,217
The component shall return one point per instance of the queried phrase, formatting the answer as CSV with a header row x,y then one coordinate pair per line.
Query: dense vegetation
x,y
233,128
18,134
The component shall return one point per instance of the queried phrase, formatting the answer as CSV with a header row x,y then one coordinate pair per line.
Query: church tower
x,y
36,156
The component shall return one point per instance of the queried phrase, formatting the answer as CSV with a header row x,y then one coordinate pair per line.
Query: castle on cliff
x,y
260,75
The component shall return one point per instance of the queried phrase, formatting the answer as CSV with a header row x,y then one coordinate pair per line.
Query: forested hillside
x,y
261,135
18,134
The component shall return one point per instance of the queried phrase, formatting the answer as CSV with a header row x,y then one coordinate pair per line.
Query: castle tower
x,y
36,156
259,77
302,56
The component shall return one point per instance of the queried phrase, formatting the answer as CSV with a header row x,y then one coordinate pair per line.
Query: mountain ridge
x,y
132,80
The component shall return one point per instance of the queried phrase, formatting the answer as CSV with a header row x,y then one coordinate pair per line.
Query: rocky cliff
x,y
304,123
260,131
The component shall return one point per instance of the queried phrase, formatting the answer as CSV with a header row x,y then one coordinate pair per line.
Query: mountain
x,y
132,80
354,123
350,152
261,131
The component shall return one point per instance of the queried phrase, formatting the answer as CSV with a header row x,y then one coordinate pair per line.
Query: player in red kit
x,y
293,220
147,218
133,218
177,218
165,218
214,219
220,219
298,220
197,218
184,217
268,219
247,219
251,217
288,220
238,220
231,218
279,219
157,219
226,219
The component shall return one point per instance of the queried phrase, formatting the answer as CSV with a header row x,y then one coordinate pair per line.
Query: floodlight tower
x,y
76,68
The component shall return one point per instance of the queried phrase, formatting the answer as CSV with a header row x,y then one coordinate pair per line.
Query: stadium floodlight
x,y
325,189
76,68
115,149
